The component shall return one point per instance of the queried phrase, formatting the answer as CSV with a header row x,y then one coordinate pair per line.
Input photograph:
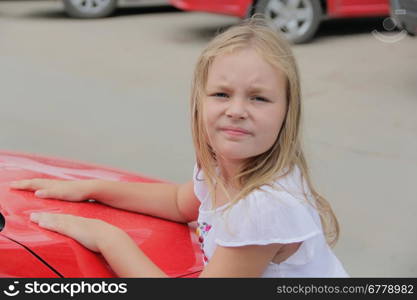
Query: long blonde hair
x,y
286,152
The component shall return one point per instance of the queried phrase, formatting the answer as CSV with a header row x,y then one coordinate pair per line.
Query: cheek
x,y
272,129
210,115
208,121
279,124
206,118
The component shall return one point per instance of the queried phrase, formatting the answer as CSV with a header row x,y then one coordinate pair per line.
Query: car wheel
x,y
297,20
89,8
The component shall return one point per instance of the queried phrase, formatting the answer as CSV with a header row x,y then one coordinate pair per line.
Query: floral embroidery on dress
x,y
202,230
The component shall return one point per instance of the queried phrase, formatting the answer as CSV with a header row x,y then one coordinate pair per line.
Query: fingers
x,y
61,223
45,194
28,184
52,188
84,230
54,222
43,188
71,226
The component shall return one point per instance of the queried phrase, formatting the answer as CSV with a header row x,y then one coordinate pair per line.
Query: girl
x,y
257,211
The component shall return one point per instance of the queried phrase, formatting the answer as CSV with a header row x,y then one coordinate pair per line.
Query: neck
x,y
229,170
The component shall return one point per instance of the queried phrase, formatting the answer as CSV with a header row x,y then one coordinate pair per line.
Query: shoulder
x,y
200,188
277,205
291,184
268,216
287,191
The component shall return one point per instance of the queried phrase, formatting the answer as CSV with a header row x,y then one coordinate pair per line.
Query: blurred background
x,y
115,90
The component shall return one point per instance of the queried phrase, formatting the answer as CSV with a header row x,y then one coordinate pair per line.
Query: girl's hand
x,y
78,190
88,232
117,247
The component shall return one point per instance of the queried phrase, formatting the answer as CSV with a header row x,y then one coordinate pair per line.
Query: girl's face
x,y
244,106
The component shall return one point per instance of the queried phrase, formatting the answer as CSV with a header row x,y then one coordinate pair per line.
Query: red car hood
x,y
172,246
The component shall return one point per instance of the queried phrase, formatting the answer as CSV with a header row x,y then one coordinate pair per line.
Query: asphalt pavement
x,y
115,92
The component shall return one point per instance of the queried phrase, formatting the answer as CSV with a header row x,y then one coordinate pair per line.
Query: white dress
x,y
268,216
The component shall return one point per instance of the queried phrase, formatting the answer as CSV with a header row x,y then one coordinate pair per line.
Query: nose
x,y
236,109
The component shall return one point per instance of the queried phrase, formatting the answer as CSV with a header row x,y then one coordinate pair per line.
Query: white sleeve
x,y
268,217
200,189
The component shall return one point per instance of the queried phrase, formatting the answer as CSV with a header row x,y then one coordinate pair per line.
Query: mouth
x,y
234,131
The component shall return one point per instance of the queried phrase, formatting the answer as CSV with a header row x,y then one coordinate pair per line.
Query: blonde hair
x,y
286,152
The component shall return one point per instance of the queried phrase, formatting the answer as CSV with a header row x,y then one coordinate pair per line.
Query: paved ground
x,y
115,92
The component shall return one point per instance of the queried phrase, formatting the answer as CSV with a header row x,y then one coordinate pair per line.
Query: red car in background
x,y
28,250
298,20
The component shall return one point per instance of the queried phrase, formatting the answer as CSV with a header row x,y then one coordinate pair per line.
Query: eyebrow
x,y
219,86
258,89
254,89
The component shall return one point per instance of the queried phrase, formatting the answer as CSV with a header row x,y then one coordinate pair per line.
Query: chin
x,y
234,154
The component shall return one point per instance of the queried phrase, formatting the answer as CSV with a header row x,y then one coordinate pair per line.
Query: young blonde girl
x,y
257,212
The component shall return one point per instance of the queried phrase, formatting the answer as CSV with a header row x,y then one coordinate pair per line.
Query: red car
x,y
298,20
27,250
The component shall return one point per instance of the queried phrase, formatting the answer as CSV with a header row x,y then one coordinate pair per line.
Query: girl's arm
x,y
175,202
127,260
119,250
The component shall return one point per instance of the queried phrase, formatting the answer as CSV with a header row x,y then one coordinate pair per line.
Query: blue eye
x,y
220,95
262,99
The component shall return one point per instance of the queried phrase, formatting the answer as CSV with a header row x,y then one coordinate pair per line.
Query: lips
x,y
235,130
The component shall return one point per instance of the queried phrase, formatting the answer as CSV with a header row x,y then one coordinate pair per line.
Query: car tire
x,y
89,8
297,20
